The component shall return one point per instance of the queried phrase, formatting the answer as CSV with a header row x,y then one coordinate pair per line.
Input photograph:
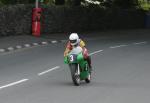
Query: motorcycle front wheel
x,y
74,74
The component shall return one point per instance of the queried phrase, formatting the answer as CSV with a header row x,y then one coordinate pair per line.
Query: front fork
x,y
78,70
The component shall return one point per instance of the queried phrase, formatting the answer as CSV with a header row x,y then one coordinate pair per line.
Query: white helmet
x,y
74,39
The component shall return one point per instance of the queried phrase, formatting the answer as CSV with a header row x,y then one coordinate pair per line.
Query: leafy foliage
x,y
125,3
17,1
105,3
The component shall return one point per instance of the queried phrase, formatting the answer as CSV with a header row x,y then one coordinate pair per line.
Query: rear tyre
x,y
88,79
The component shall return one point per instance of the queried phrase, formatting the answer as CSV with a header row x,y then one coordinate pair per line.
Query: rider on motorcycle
x,y
75,41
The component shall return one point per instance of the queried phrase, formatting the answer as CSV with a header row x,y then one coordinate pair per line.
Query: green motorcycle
x,y
78,66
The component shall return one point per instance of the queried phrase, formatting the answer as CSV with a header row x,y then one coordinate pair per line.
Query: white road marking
x,y
96,52
18,47
140,43
113,47
10,48
17,50
27,45
2,50
54,41
14,83
44,43
35,44
49,70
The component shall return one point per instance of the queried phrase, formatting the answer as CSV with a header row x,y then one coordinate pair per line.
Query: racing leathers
x,y
81,43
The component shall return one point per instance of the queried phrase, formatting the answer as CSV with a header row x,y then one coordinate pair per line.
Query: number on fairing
x,y
71,58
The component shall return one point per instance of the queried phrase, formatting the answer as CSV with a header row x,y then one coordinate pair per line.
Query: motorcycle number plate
x,y
72,58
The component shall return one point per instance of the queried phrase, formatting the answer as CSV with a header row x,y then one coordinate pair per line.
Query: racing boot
x,y
89,62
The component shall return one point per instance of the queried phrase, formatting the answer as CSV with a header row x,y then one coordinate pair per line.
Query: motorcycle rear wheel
x,y
88,79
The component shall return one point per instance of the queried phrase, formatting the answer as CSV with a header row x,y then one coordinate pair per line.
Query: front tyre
x,y
74,74
76,80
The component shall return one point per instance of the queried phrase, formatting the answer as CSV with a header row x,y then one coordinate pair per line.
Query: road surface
x,y
38,75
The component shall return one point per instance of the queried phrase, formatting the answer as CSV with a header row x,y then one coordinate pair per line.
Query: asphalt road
x,y
38,75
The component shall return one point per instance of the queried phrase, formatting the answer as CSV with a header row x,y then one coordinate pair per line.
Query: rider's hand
x,y
65,54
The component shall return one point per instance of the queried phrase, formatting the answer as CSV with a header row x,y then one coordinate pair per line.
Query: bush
x,y
17,19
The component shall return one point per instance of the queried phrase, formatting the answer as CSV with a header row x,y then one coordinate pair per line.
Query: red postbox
x,y
36,21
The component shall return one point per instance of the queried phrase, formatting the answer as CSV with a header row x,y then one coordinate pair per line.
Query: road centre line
x,y
140,43
49,70
113,47
14,83
96,52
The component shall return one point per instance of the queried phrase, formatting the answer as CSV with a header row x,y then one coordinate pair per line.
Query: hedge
x,y
16,20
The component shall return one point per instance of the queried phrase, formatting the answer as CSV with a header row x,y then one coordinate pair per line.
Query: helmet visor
x,y
73,41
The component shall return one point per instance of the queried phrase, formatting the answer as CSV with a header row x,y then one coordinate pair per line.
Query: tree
x,y
8,1
125,3
17,1
74,2
59,2
119,3
107,3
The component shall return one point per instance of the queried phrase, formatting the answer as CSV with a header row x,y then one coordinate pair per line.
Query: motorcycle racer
x,y
74,41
